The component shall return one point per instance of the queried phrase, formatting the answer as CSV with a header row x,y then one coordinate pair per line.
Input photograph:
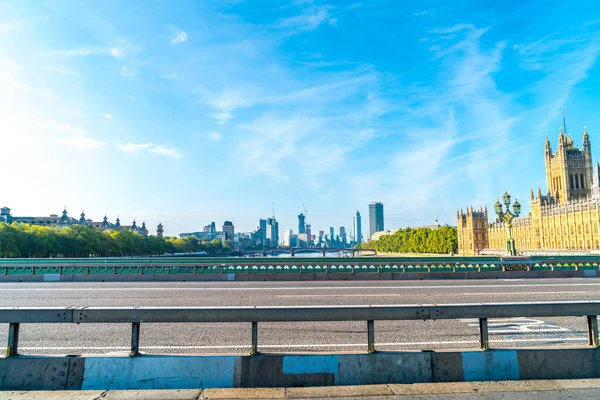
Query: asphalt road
x,y
295,337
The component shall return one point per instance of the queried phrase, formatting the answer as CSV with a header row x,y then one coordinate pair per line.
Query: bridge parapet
x,y
265,370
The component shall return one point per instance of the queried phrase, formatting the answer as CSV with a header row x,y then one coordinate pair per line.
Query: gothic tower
x,y
472,230
569,170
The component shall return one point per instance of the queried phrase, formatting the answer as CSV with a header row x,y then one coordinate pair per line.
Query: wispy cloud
x,y
215,137
9,26
84,52
117,52
171,152
62,69
152,148
82,141
78,137
178,36
129,72
108,116
310,18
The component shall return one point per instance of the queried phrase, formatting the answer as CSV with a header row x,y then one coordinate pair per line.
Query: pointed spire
x,y
531,194
586,139
564,119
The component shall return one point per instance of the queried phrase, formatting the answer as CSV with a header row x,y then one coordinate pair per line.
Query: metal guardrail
x,y
138,315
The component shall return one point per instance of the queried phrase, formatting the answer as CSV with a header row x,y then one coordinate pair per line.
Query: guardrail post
x,y
254,349
135,339
592,323
13,340
371,336
483,334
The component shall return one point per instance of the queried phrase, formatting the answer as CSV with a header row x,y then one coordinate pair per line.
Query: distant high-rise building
x,y
228,230
212,228
357,228
272,232
289,239
159,229
301,223
375,218
343,236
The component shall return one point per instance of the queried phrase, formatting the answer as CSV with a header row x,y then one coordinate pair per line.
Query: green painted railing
x,y
292,265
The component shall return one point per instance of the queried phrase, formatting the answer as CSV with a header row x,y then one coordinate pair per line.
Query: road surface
x,y
295,337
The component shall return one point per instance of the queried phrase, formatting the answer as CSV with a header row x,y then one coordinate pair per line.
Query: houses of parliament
x,y
564,219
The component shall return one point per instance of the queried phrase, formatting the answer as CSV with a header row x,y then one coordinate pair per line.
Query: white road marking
x,y
283,346
518,325
258,288
410,294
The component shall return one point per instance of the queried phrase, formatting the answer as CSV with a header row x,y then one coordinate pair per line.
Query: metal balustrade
x,y
139,315
292,265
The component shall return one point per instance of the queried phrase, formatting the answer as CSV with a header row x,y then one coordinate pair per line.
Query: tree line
x,y
24,240
443,240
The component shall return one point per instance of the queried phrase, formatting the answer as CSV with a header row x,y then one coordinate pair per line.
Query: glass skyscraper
x,y
375,218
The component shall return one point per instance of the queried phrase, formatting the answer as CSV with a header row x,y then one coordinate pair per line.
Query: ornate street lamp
x,y
507,216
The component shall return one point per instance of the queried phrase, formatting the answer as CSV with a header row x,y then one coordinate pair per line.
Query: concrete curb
x,y
382,391
294,370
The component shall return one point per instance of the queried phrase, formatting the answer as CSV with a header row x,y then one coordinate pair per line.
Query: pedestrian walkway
x,y
547,390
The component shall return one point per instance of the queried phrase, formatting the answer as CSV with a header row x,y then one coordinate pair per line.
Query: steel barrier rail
x,y
138,315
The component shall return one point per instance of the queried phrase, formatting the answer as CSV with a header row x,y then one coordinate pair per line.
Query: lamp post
x,y
507,216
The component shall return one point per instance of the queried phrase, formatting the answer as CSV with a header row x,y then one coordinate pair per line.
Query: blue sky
x,y
187,112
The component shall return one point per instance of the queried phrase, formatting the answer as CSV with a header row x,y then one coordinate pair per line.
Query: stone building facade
x,y
54,220
566,218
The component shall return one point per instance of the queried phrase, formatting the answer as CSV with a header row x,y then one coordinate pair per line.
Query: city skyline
x,y
187,113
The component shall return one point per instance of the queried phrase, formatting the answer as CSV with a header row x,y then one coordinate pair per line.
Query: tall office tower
x,y
331,234
375,218
262,229
357,228
343,236
228,230
272,232
301,223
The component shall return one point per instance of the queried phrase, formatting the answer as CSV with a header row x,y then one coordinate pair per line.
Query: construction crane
x,y
305,213
273,208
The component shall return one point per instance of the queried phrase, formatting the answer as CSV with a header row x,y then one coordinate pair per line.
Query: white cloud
x,y
117,52
129,72
9,65
78,137
271,140
179,36
153,148
9,26
108,116
82,141
129,96
171,152
134,148
62,69
216,137
78,52
310,19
